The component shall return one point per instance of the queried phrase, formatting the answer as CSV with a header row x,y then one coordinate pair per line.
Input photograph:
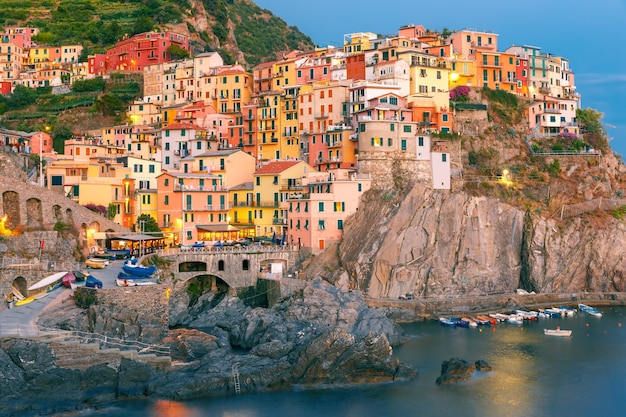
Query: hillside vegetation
x,y
239,29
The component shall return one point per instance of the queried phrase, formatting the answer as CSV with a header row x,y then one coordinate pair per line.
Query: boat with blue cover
x,y
446,322
138,270
590,310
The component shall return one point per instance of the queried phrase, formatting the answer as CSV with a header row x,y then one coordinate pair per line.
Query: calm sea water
x,y
533,375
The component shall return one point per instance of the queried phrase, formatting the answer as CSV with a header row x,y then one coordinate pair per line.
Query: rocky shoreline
x,y
323,336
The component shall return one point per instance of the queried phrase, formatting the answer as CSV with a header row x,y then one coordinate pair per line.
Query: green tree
x,y
108,105
22,97
111,211
176,52
149,225
143,24
589,121
60,134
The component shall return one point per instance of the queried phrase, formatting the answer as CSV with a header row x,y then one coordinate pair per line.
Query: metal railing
x,y
253,248
22,264
104,342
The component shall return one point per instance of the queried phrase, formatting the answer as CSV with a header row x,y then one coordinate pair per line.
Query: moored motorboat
x,y
590,310
482,320
554,312
499,316
487,319
527,315
515,319
446,322
459,322
557,332
471,322
548,313
567,311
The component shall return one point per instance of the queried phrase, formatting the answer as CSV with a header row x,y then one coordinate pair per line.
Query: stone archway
x,y
57,213
34,213
202,284
21,286
11,208
69,218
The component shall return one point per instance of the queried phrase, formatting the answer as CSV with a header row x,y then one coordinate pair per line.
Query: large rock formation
x,y
438,244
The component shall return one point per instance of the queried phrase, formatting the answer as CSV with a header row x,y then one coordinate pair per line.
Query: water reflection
x,y
533,375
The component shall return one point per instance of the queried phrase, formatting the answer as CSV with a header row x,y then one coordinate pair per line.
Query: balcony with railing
x,y
291,185
202,188
552,111
206,136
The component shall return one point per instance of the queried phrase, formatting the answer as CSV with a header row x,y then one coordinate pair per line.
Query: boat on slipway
x,y
138,270
96,263
47,281
46,285
135,282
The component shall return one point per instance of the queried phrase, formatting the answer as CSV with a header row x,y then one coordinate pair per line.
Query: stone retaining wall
x,y
417,310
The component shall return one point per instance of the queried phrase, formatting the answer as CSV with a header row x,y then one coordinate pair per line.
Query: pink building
x,y
136,52
317,213
20,36
189,210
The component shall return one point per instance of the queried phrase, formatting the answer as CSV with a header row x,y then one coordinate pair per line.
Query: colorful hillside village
x,y
216,153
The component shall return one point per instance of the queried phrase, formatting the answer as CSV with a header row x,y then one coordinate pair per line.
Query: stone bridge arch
x,y
201,284
237,267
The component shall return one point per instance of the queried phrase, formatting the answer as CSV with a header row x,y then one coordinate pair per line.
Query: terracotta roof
x,y
232,71
276,167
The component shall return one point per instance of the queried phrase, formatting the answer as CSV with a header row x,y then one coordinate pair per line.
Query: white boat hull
x,y
557,332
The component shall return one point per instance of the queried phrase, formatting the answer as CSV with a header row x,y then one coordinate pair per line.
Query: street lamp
x,y
41,181
141,225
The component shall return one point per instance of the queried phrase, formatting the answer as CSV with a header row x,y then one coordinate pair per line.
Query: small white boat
x,y
74,285
557,332
499,316
49,280
567,311
126,282
527,315
515,319
446,322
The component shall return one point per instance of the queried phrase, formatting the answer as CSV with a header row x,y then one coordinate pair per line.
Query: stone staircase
x,y
79,352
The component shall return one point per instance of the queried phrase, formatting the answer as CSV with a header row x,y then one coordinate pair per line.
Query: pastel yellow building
x,y
272,184
357,43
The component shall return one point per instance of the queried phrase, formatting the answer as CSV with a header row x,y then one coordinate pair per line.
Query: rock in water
x,y
482,365
455,370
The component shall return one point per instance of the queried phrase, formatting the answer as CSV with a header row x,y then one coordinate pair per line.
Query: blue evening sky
x,y
591,34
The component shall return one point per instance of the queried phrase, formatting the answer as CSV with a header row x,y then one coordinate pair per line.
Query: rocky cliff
x,y
439,244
